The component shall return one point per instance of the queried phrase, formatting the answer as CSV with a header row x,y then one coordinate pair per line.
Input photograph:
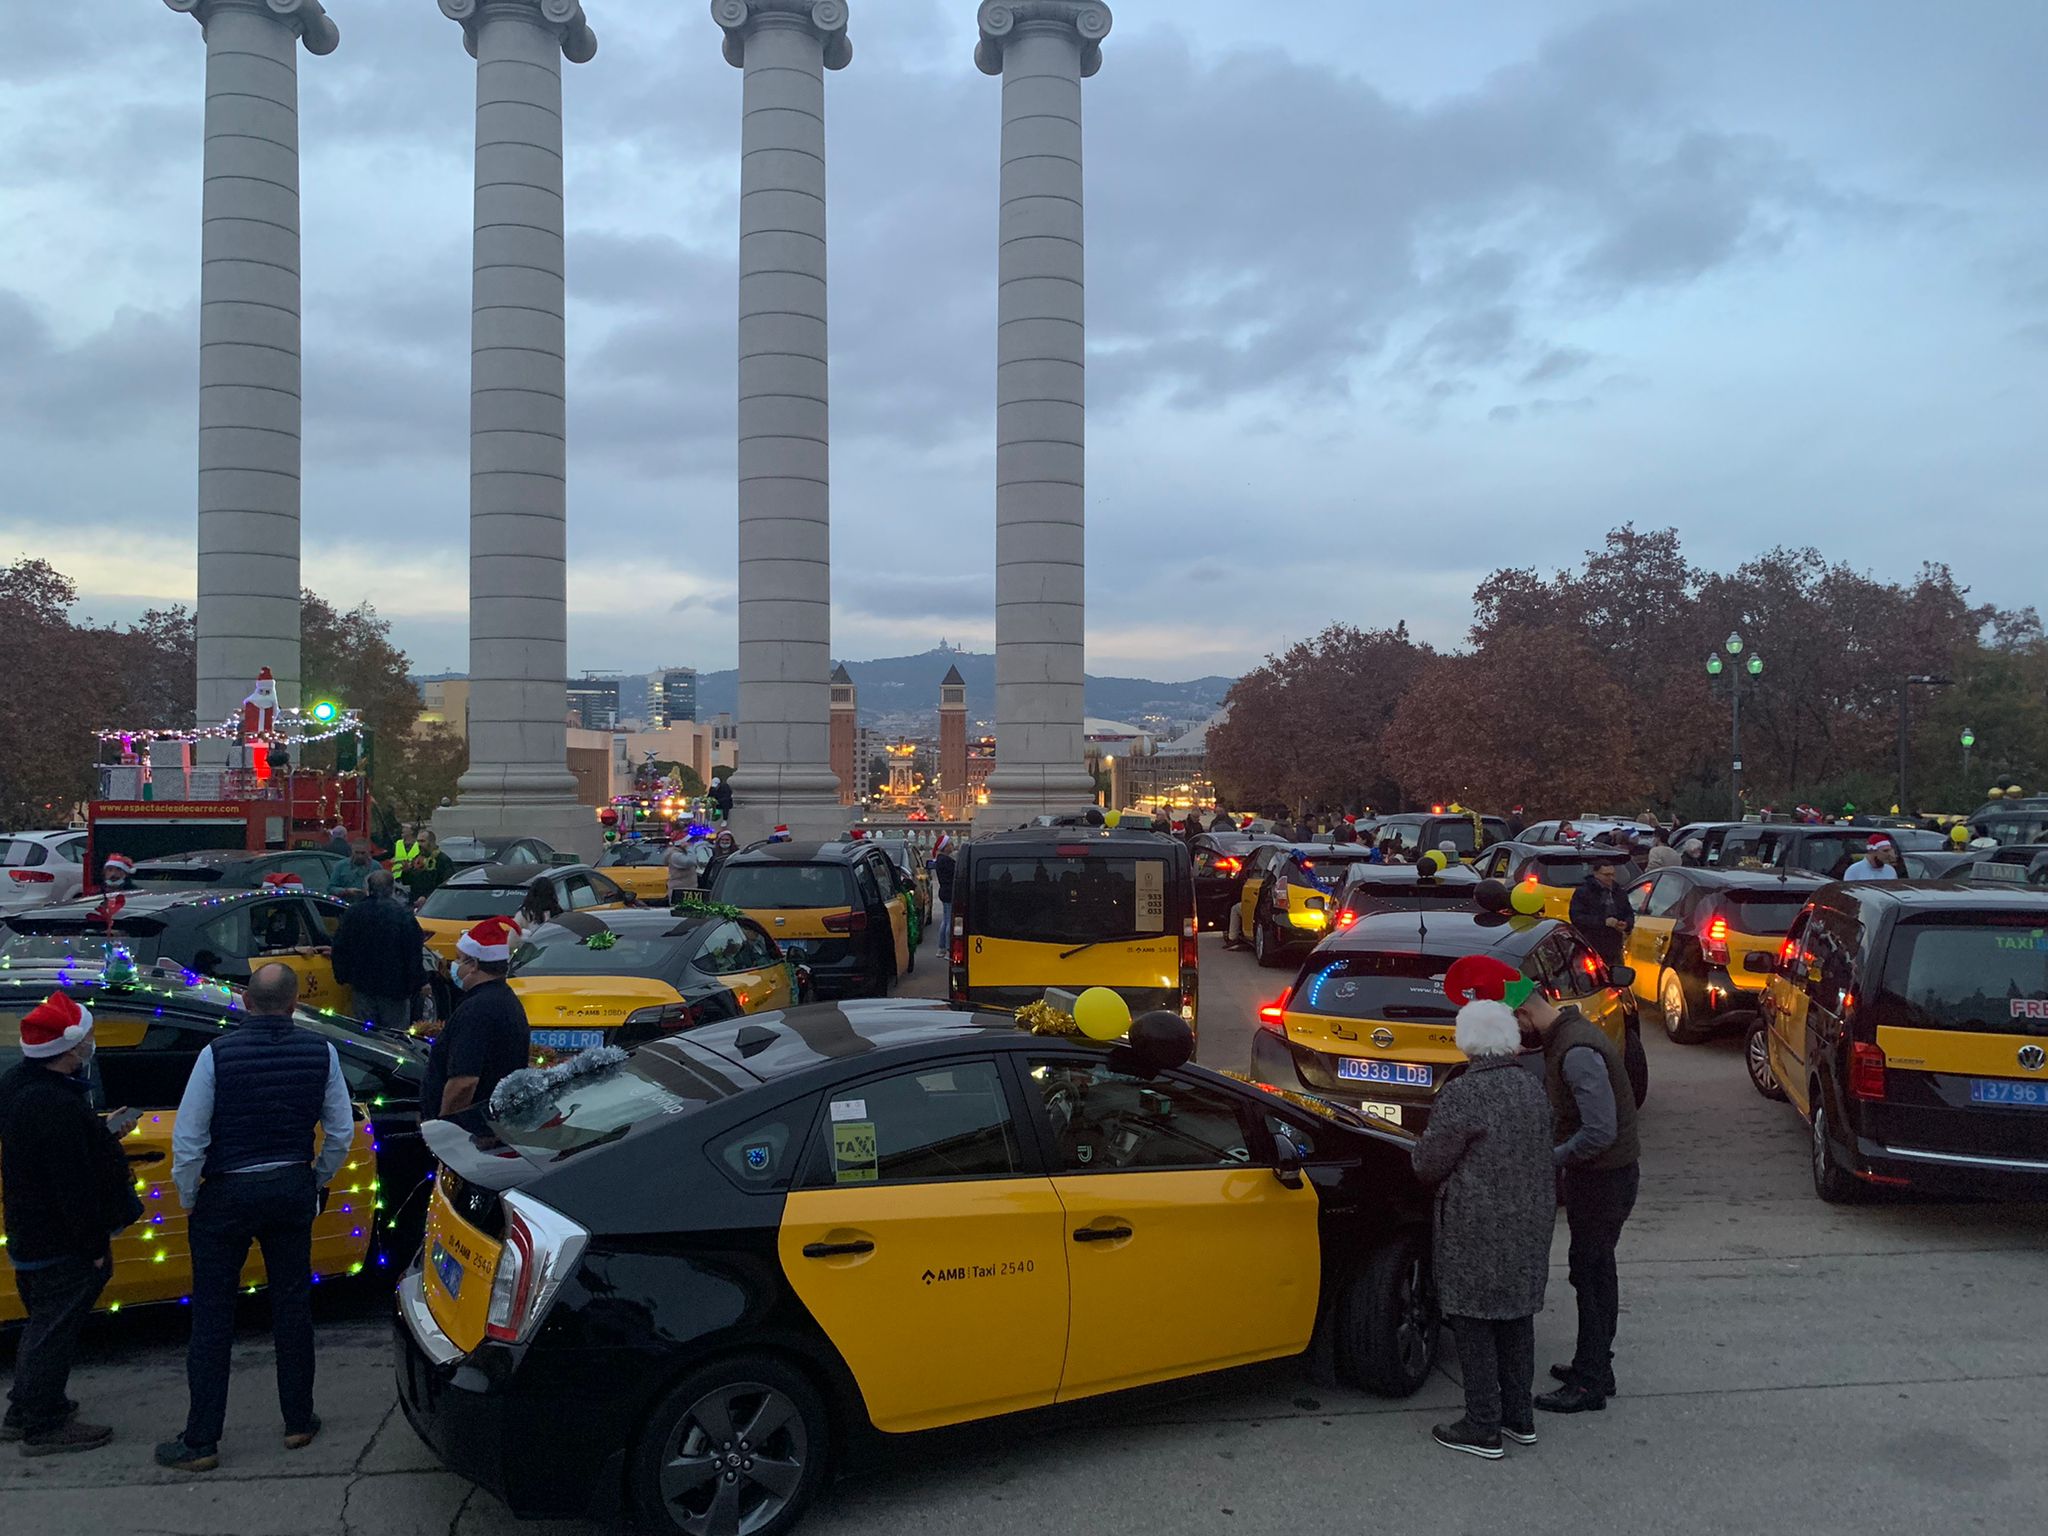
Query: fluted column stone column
x,y
785,771
247,614
518,778
1042,49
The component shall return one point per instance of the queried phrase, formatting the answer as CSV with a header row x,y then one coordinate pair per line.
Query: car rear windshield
x,y
1766,912
1087,897
560,953
1573,870
466,903
1985,972
1375,896
91,944
1326,867
634,856
177,874
1390,987
758,886
606,1105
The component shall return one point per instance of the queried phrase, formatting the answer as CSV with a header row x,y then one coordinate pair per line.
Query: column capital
x,y
307,18
824,18
564,17
1003,19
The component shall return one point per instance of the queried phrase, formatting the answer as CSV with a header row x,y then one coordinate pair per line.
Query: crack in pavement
x,y
461,1510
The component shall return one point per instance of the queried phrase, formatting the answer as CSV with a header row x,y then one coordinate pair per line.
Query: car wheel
x,y
1265,944
1678,1024
1387,1320
1637,1061
739,1446
1756,1056
1831,1181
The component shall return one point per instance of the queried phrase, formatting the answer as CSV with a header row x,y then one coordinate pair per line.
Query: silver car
x,y
39,868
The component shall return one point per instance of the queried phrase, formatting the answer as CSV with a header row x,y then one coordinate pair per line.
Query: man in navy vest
x,y
243,1160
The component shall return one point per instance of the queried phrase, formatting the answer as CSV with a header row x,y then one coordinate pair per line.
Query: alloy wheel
x,y
1757,1055
1413,1333
1671,998
734,1460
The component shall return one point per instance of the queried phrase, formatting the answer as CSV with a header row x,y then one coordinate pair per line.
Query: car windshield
x,y
1762,912
1386,986
1573,871
485,850
466,903
1084,897
634,855
79,941
1388,896
758,886
2026,826
605,1105
1985,971
556,951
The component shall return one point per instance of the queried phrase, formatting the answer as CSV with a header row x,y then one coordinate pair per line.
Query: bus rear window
x,y
756,886
1989,976
1081,898
1387,986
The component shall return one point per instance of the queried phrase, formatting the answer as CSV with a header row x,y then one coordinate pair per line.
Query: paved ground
x,y
1787,1366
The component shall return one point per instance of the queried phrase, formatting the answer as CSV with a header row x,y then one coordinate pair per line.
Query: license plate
x,y
1391,1113
449,1268
566,1039
1408,1074
1999,1090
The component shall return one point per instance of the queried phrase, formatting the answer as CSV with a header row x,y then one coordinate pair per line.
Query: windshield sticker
x,y
2038,939
2030,1007
1151,883
853,1151
849,1109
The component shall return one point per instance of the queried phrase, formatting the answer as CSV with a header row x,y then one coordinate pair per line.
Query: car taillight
x,y
1190,945
541,1248
847,922
669,1016
1229,866
1866,1070
31,877
1273,1015
1714,942
1345,918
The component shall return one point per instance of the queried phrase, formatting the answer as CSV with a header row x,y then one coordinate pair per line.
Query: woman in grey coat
x,y
1487,1149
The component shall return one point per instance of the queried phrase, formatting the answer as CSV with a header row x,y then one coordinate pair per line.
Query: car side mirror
x,y
1286,1163
1760,962
1621,975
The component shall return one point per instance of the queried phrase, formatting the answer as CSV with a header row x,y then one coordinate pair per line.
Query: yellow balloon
x,y
1527,900
1102,1014
1433,861
1959,833
1112,818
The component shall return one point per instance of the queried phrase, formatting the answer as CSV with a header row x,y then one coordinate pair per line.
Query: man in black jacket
x,y
67,1192
1601,914
486,1039
378,953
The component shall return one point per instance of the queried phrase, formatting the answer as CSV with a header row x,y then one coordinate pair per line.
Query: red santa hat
x,y
55,1025
282,877
489,940
1880,841
122,862
1481,985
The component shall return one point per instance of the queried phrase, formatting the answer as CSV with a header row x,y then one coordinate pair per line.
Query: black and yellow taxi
x,y
1219,860
1074,908
150,1025
1366,1021
1415,833
220,935
1370,888
1289,896
621,978
1908,1025
836,908
230,869
1694,935
499,890
638,866
1553,870
683,1285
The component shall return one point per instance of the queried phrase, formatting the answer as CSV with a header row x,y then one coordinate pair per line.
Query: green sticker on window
x,y
853,1151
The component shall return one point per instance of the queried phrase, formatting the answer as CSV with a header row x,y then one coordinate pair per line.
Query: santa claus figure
x,y
259,710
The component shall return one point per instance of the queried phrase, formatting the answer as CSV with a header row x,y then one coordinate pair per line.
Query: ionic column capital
x,y
1003,19
307,18
826,19
564,17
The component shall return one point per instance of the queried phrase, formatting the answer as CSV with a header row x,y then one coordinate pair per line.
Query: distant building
x,y
955,794
847,763
594,702
672,696
445,701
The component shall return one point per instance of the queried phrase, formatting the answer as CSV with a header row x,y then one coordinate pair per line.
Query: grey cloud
x,y
706,602
1557,363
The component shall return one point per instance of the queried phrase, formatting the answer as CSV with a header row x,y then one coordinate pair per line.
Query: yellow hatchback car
x,y
627,977
837,908
1552,870
497,890
1366,1022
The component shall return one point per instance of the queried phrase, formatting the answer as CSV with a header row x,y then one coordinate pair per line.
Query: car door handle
x,y
837,1250
1100,1234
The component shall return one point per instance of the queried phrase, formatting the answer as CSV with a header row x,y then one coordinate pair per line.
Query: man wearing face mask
x,y
67,1192
486,1039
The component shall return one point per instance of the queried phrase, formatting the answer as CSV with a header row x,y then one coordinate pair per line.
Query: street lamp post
x,y
1754,666
1969,741
1905,715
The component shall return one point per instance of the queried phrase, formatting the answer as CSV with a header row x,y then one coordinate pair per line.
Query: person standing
x,y
117,875
721,797
243,1158
66,1190
723,847
378,954
1600,912
1487,1153
1662,854
351,881
1692,853
405,849
944,867
1876,863
486,1039
541,907
681,860
1593,1110
428,869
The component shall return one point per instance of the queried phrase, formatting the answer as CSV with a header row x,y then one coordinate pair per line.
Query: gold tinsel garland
x,y
1309,1102
1041,1018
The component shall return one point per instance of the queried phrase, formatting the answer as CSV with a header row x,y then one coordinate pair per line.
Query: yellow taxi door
x,y
1655,901
1169,1196
1785,1003
1583,983
287,931
1253,887
926,1250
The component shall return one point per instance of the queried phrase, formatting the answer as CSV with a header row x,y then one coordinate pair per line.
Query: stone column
x,y
1042,49
785,567
248,603
518,778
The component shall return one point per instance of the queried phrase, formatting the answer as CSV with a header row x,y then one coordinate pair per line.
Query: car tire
x,y
1678,1025
1831,1181
1387,1321
683,1472
1756,1058
1266,944
1637,1061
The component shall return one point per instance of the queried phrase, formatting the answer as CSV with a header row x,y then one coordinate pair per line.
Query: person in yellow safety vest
x,y
405,850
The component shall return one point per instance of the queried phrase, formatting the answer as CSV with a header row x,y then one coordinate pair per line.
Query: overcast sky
x,y
1381,296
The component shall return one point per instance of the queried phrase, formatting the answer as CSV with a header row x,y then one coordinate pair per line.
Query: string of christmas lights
x,y
294,727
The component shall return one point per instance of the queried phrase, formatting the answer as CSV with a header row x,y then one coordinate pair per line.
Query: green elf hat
x,y
1482,978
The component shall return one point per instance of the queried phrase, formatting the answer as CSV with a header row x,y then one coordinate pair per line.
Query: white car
x,y
38,868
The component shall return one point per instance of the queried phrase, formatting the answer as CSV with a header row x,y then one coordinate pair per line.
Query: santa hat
x,y
55,1025
122,862
779,835
1880,841
282,877
489,940
1484,979
944,843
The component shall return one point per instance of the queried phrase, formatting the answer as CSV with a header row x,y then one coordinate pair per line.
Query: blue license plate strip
x,y
565,1039
1407,1074
449,1268
2002,1090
